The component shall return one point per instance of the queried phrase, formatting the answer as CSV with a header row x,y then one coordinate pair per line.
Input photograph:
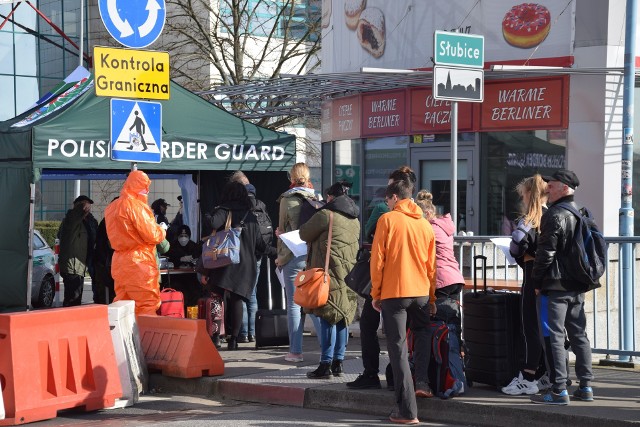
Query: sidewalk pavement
x,y
263,376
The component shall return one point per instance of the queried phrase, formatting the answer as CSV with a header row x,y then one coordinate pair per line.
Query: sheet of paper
x,y
294,242
280,276
503,243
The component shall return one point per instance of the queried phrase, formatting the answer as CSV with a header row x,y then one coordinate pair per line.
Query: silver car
x,y
43,283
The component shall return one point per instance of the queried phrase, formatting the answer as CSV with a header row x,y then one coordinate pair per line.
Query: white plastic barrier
x,y
126,342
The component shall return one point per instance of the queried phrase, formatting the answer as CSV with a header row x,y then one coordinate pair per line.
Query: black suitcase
x,y
492,333
271,324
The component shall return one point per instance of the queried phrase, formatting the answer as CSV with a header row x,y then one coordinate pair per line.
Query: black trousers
x,y
73,286
369,322
534,357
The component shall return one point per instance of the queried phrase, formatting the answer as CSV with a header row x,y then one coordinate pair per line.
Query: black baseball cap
x,y
82,198
564,176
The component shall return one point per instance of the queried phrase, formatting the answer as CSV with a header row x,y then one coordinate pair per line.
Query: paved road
x,y
173,411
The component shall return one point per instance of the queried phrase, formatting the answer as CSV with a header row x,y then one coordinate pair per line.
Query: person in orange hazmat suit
x,y
134,234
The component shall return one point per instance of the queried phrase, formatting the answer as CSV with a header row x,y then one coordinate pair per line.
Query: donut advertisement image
x,y
326,13
352,11
526,25
399,34
371,31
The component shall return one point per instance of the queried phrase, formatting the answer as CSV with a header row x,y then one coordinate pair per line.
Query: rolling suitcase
x,y
211,308
491,333
271,324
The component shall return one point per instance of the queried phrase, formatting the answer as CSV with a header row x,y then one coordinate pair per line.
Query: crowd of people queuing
x,y
415,276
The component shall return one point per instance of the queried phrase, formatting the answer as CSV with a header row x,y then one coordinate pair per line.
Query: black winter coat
x,y
554,244
236,278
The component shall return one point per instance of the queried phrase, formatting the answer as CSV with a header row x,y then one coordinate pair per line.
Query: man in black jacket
x,y
564,295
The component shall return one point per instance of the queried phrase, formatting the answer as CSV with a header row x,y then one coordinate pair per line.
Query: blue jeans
x,y
249,308
333,340
294,313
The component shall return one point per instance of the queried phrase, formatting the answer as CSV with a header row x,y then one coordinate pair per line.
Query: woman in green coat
x,y
337,314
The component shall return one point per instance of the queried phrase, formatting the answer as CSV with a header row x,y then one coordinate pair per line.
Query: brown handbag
x,y
312,285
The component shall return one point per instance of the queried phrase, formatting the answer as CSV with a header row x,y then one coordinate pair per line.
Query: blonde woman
x,y
524,239
288,220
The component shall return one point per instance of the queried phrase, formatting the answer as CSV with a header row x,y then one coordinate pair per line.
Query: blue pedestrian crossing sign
x,y
133,23
136,131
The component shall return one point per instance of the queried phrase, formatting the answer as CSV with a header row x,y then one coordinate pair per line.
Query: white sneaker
x,y
520,386
544,383
293,357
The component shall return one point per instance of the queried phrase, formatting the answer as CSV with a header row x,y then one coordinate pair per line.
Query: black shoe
x,y
251,338
216,341
336,368
322,373
232,343
243,339
364,381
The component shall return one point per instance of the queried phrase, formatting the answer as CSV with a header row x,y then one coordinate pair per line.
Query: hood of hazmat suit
x,y
134,234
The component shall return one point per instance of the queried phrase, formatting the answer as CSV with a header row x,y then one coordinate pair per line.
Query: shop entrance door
x,y
433,166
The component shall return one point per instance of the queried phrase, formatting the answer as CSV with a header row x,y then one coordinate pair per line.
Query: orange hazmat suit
x,y
134,234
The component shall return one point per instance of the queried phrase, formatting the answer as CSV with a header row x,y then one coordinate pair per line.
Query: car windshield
x,y
38,243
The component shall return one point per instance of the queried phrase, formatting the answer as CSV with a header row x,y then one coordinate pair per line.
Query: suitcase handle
x,y
475,272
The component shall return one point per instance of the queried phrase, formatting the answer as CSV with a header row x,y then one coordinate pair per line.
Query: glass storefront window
x,y
347,165
506,158
381,157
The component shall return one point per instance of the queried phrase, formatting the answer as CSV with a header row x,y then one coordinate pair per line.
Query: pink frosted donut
x,y
526,25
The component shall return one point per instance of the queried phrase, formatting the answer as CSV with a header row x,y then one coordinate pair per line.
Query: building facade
x,y
531,120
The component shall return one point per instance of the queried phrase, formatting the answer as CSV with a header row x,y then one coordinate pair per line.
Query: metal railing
x,y
602,306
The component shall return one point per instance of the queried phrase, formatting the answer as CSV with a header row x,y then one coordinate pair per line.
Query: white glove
x,y
186,258
164,226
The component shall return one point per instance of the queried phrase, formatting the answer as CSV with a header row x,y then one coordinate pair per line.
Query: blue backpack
x,y
588,251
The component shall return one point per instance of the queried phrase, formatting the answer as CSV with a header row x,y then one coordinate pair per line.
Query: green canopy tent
x,y
72,131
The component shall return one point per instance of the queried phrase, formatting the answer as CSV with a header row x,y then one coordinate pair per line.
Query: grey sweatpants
x,y
565,310
395,312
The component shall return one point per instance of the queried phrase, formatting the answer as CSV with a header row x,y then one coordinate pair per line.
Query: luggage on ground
x,y
211,308
446,373
491,332
271,324
172,303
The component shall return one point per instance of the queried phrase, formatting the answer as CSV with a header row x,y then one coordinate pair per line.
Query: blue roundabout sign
x,y
133,23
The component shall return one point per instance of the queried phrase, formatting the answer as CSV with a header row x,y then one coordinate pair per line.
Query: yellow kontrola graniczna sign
x,y
130,73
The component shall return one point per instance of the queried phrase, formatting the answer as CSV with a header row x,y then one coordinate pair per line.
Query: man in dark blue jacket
x,y
565,296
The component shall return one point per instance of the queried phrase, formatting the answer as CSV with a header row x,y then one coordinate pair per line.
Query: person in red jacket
x,y
134,234
403,277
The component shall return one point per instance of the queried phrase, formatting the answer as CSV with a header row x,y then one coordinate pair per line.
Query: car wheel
x,y
47,292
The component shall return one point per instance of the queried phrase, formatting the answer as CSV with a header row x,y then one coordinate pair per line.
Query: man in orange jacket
x,y
134,234
403,284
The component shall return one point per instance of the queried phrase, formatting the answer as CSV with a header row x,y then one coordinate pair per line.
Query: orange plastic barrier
x,y
179,347
56,359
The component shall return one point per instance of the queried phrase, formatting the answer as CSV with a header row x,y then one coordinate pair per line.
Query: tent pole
x,y
80,56
32,200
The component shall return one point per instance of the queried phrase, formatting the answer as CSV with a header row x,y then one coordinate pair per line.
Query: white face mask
x,y
183,241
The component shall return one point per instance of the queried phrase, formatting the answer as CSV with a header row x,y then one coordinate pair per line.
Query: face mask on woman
x,y
183,240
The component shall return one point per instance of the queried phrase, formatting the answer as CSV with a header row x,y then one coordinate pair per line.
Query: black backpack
x,y
264,221
587,254
308,208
